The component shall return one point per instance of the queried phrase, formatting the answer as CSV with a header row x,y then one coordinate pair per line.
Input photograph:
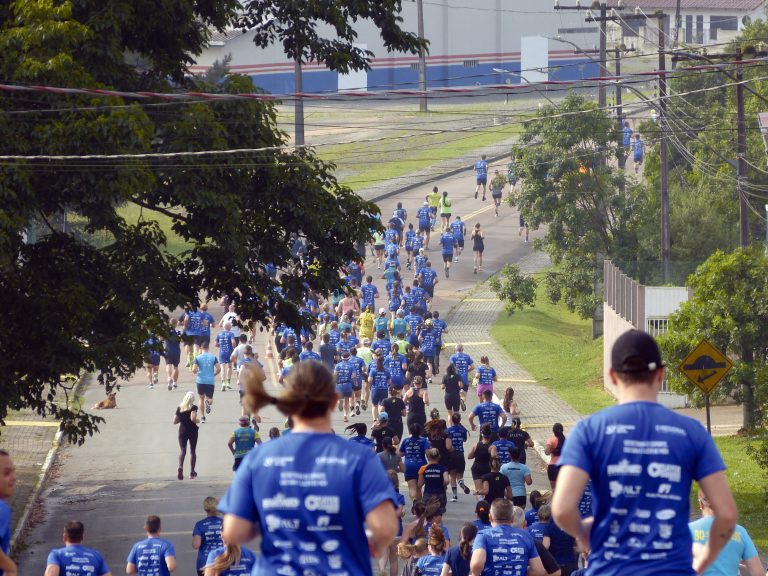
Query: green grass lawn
x,y
748,485
131,213
556,347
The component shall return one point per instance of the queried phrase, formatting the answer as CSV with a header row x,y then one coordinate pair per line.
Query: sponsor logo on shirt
x,y
280,502
666,514
665,429
278,460
664,492
642,514
665,530
663,545
635,543
327,504
619,511
669,472
286,571
638,528
275,522
649,447
625,468
308,546
330,546
335,562
656,556
612,429
330,461
618,489
324,525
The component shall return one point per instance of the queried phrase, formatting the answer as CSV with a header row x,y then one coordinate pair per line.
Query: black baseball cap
x,y
635,351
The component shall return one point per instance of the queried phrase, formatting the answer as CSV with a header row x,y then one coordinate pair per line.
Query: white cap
x,y
382,311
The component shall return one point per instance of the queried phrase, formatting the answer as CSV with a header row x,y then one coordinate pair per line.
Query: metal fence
x,y
624,294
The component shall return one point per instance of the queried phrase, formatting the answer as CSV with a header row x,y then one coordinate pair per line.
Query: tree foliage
x,y
729,307
587,207
323,32
515,289
86,296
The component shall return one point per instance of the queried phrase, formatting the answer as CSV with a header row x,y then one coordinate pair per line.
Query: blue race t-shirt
x,y
462,361
507,550
77,560
149,556
247,560
309,493
458,229
209,530
739,548
193,323
456,562
5,529
502,451
344,371
430,565
413,450
206,321
458,435
641,458
447,241
224,340
369,292
425,218
206,373
481,168
488,413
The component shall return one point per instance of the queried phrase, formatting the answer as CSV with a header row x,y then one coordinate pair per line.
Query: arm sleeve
x,y
169,550
132,555
53,559
196,531
239,499
479,543
550,564
374,484
102,568
575,451
749,547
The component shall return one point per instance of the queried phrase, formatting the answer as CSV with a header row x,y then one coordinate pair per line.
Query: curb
x,y
50,460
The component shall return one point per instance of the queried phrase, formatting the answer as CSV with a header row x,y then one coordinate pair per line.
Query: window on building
x,y
592,30
415,67
471,63
688,29
699,37
722,23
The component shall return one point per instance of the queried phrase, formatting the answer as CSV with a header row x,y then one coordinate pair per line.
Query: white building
x,y
467,41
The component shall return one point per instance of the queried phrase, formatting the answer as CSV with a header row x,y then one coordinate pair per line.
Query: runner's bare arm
x,y
571,482
716,489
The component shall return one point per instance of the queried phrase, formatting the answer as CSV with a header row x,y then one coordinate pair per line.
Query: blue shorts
x,y
344,391
425,227
224,358
398,382
203,339
152,360
412,470
482,179
464,380
460,241
378,395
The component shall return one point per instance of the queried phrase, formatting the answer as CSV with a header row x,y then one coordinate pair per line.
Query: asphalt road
x,y
126,472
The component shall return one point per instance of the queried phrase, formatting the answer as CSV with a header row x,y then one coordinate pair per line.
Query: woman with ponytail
x,y
457,558
357,434
553,449
309,487
229,560
432,563
412,553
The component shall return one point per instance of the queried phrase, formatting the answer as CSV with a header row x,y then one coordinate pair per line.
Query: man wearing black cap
x,y
641,458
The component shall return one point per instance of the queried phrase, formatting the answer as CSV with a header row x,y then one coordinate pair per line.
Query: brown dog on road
x,y
109,402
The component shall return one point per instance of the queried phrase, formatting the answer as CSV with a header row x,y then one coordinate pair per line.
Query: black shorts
x,y
446,215
188,339
452,402
460,242
200,340
482,180
173,360
239,461
378,247
448,257
519,501
206,390
477,475
458,463
552,472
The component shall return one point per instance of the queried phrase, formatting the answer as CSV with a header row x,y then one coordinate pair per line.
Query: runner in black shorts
x,y
457,465
452,384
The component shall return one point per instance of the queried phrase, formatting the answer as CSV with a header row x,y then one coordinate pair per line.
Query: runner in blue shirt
x,y
439,326
420,297
152,360
488,412
432,563
231,560
242,441
481,175
206,321
191,324
7,488
638,152
346,377
308,353
464,365
369,293
425,221
428,279
504,548
740,547
206,367
412,450
626,142
459,232
225,342
641,458
396,364
418,243
500,449
172,354
458,435
206,535
420,262
447,244
379,379
310,494
414,324
75,559
152,556
410,238
428,341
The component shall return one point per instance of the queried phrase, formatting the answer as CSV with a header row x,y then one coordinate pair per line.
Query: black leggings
x,y
191,437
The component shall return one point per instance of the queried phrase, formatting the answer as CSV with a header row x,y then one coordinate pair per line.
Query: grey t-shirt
x,y
391,460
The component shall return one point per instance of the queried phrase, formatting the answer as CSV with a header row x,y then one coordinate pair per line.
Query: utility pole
x,y
666,237
422,58
741,155
678,22
298,105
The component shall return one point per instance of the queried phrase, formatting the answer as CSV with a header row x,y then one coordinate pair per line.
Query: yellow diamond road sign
x,y
705,366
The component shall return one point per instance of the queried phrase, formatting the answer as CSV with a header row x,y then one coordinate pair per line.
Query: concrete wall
x,y
466,42
613,327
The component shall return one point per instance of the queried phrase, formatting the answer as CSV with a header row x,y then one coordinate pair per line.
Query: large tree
x,y
589,211
83,292
729,308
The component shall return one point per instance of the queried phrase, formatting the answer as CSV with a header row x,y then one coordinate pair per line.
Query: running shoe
x,y
455,259
483,198
475,272
192,475
170,385
475,194
154,378
447,272
464,487
341,407
180,474
365,404
151,386
175,385
463,406
207,407
454,499
346,419
357,409
202,420
223,387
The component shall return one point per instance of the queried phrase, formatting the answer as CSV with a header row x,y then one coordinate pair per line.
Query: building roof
x,y
220,38
729,5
